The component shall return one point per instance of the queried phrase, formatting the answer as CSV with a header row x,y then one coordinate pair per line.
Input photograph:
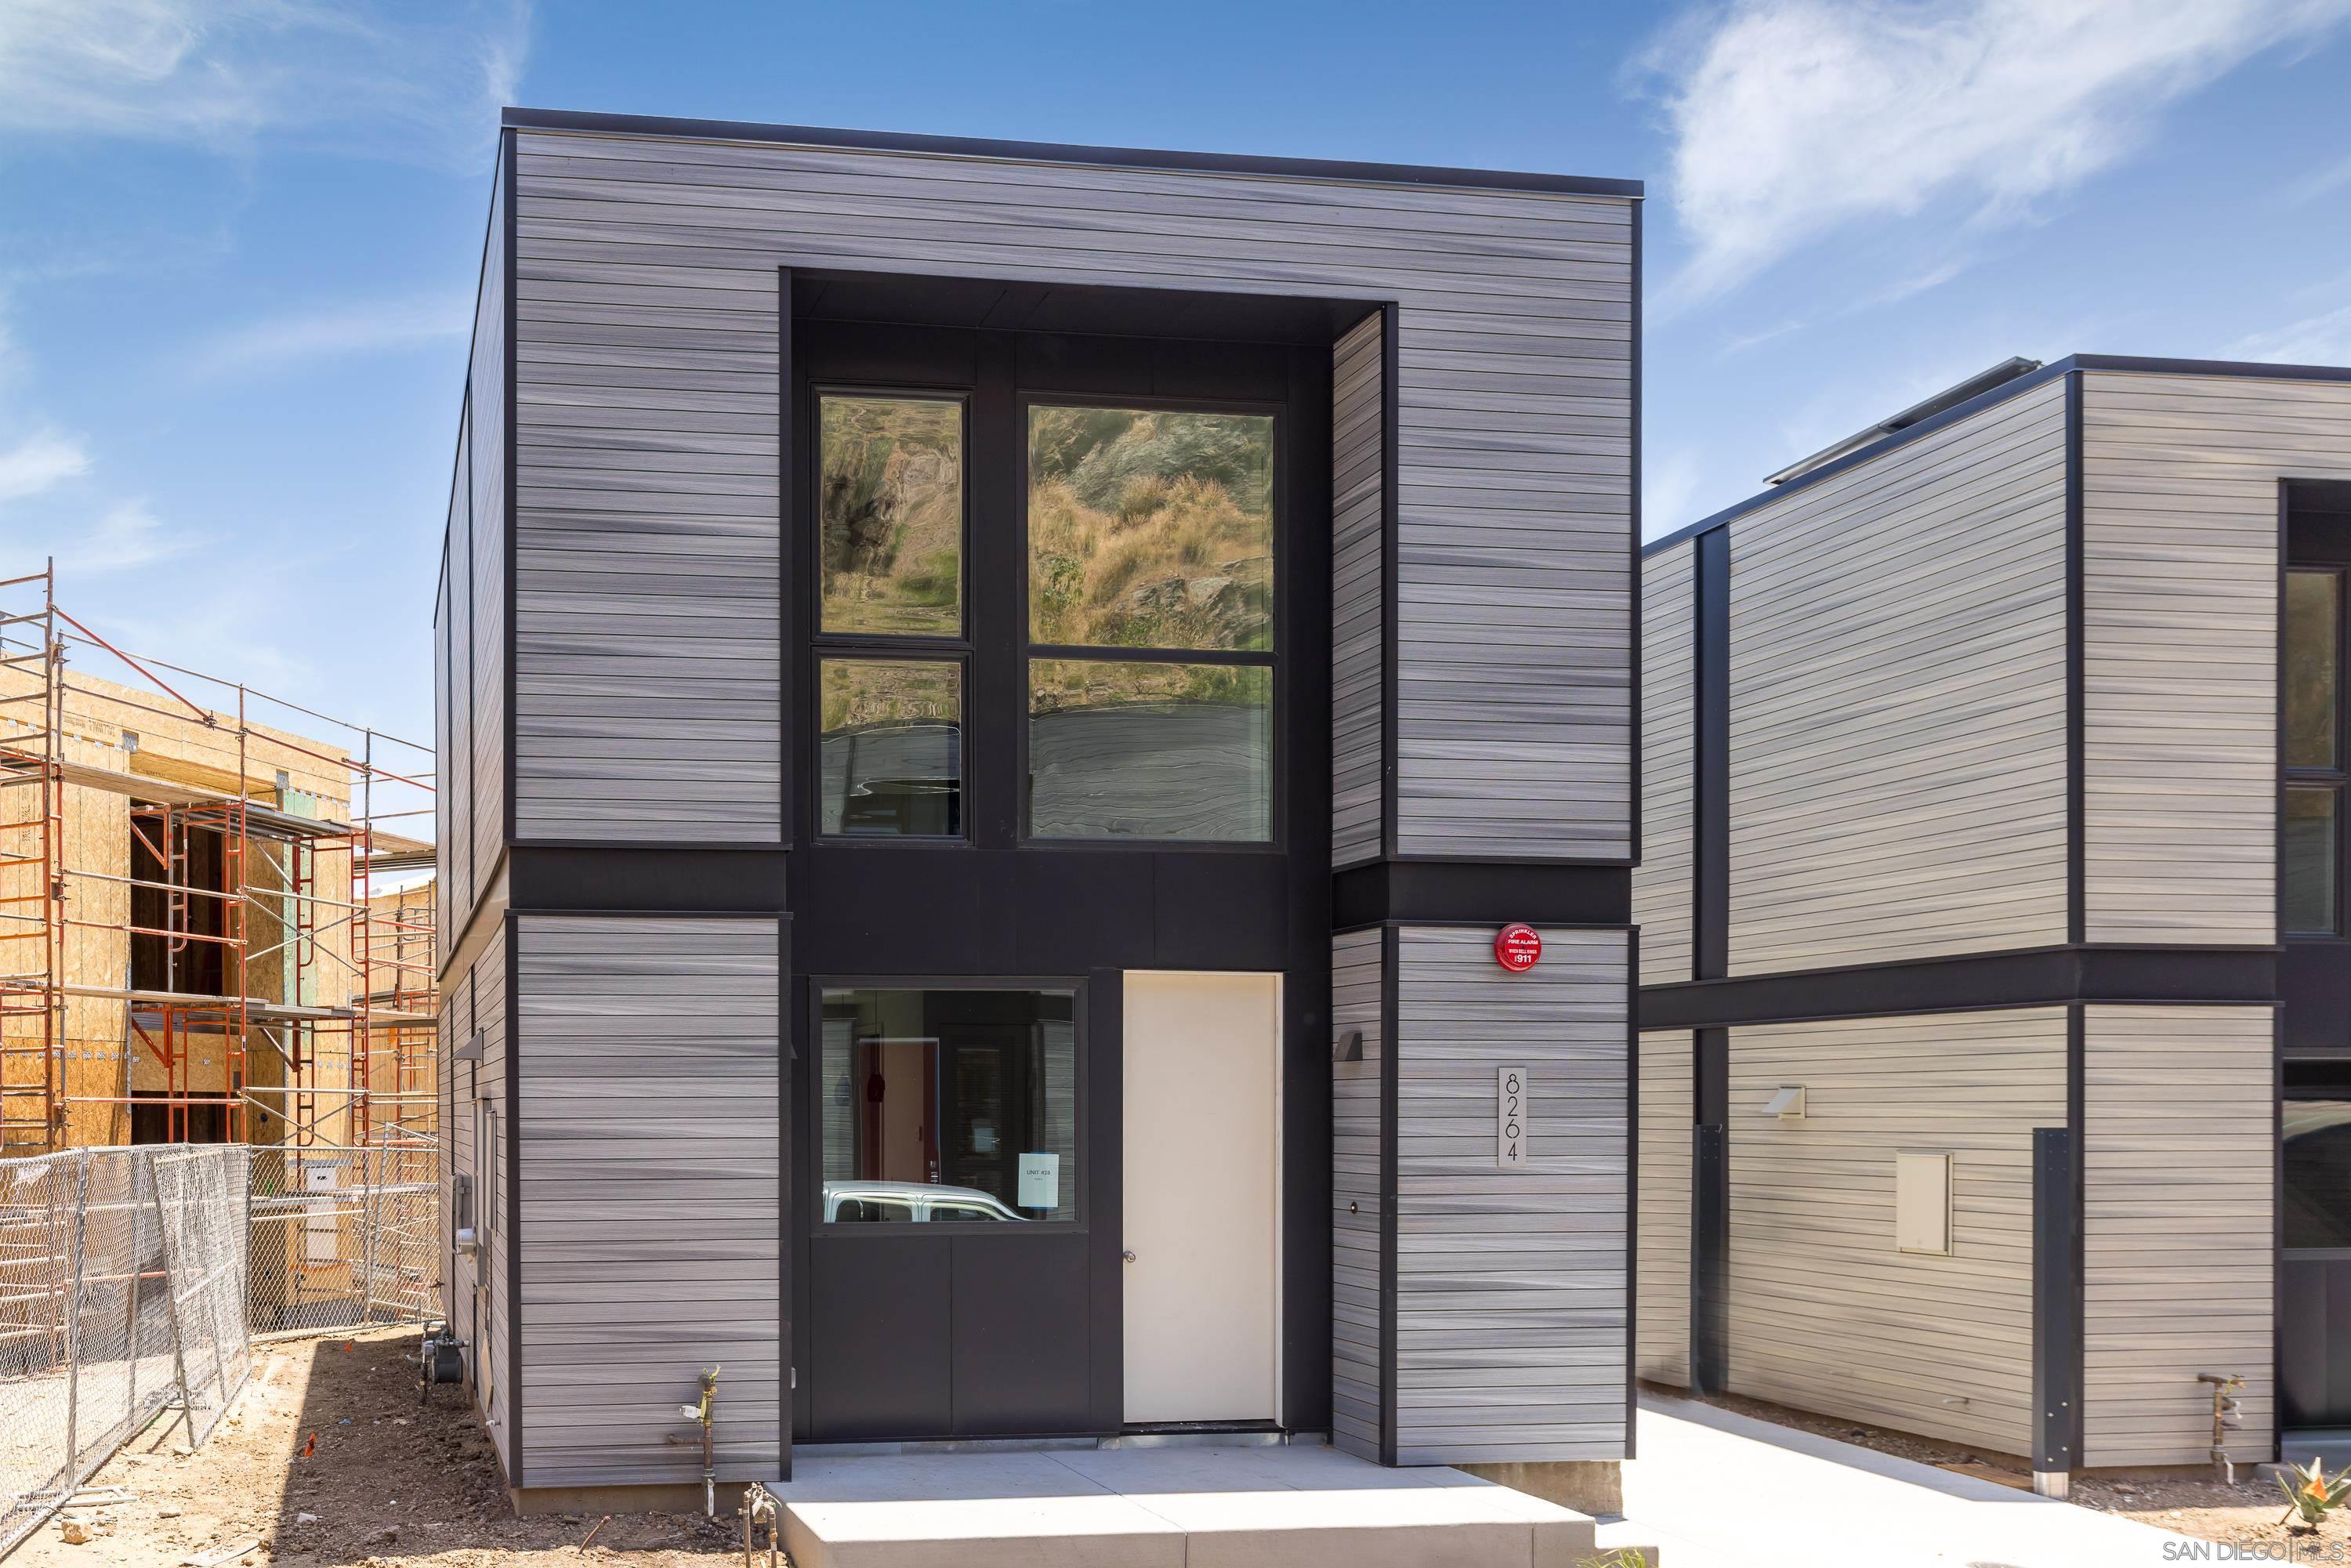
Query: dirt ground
x,y
389,1483
2245,1514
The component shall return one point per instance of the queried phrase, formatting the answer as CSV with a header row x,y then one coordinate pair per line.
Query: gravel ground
x,y
388,1484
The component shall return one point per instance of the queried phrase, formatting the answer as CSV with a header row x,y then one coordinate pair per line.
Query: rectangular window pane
x,y
891,500
1150,529
890,759
949,1107
2318,1194
1150,751
2313,612
2308,859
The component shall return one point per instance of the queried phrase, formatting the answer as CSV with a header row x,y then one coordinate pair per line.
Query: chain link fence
x,y
345,1238
122,1277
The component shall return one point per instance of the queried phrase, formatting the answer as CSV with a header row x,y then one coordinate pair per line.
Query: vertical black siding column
x,y
2056,1310
2076,786
1711,960
1391,955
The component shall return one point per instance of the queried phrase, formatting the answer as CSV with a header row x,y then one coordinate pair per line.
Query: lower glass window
x,y
2317,1173
949,1106
2308,857
889,755
1150,750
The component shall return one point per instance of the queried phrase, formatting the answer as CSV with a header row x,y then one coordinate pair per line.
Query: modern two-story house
x,y
1995,1001
994,701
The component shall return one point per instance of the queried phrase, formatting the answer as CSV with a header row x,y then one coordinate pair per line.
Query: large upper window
x,y
2310,746
892,643
949,1106
1150,623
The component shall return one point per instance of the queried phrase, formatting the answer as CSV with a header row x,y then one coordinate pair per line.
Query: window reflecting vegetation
x,y
2307,858
1150,529
889,756
949,1107
1150,750
891,504
2313,611
2318,1174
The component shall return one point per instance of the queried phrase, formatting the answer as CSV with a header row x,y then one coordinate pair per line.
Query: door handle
x,y
1128,1257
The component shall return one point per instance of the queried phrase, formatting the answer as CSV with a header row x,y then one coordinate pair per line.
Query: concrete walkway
x,y
1304,1506
1714,1489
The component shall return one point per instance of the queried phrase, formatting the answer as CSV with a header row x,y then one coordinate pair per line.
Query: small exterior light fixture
x,y
1788,1105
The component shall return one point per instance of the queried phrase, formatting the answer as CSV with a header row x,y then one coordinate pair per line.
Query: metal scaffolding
x,y
269,939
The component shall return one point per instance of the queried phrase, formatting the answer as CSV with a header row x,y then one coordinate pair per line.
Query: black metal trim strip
x,y
1421,893
1390,434
2076,698
1391,967
788,1373
2076,1305
2056,1297
513,1201
788,663
513,488
2039,977
1633,562
1066,153
1710,760
1632,1191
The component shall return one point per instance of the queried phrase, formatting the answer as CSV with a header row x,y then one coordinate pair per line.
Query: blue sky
x,y
239,238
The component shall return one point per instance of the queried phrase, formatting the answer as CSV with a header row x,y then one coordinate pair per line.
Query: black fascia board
x,y
1999,394
1063,153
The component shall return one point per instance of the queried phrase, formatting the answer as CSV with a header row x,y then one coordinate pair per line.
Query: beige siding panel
x,y
2179,1143
1662,892
648,704
1357,608
2179,521
1510,1284
1356,1380
650,1230
1661,1335
1824,1313
1897,702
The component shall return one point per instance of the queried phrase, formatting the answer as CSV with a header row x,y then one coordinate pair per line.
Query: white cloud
x,y
1669,482
126,536
39,463
356,328
403,80
2321,339
1791,118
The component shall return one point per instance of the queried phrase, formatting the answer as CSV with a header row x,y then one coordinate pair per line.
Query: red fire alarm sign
x,y
1517,946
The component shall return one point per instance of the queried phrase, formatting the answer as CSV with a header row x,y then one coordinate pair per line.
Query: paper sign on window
x,y
1040,1181
1511,1117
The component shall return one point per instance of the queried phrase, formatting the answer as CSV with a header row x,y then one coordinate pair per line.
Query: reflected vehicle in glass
x,y
910,1202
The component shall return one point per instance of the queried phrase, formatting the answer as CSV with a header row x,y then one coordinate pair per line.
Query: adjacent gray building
x,y
934,634
1995,1018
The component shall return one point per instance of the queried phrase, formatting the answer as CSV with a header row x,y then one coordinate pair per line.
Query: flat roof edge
x,y
1065,153
2246,370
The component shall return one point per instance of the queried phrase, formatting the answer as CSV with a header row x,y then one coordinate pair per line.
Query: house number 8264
x,y
1511,1117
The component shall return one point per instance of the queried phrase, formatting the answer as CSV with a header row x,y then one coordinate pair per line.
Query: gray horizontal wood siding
x,y
1662,890
1897,702
493,1193
1511,1289
485,736
2179,1139
1823,1312
1358,733
455,762
2179,522
1661,1335
646,318
1358,1381
445,717
649,1196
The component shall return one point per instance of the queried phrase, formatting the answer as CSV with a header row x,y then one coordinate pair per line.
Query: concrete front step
x,y
1292,1507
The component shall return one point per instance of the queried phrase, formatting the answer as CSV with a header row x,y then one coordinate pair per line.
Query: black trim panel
x,y
2031,978
1418,892
748,880
1065,152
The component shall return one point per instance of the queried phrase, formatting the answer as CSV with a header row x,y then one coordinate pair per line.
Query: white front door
x,y
1203,1201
